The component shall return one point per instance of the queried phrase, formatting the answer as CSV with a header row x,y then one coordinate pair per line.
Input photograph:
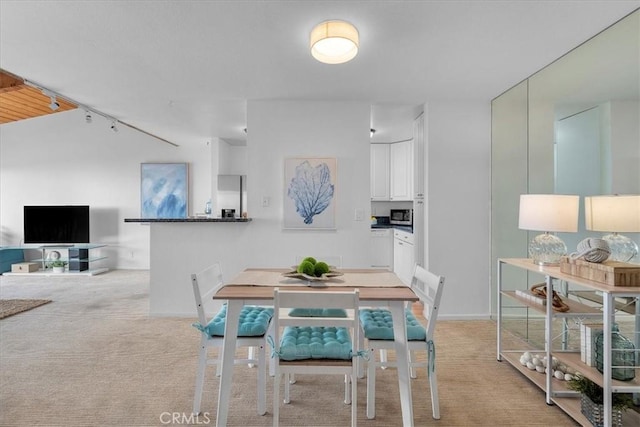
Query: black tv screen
x,y
56,224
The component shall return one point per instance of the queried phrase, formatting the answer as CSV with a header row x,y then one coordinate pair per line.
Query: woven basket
x,y
595,413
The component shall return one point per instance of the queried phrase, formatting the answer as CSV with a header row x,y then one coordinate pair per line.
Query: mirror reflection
x,y
587,103
571,128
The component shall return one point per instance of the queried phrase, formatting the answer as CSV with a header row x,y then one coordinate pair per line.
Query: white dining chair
x,y
334,261
335,341
377,328
254,325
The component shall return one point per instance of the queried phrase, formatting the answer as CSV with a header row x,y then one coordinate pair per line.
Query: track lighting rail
x,y
89,111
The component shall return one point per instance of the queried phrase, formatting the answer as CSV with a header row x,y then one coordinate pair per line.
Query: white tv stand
x,y
44,271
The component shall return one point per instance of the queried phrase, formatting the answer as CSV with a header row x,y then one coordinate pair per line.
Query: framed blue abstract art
x,y
310,193
164,190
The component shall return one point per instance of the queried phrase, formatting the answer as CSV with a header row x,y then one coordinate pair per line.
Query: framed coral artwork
x,y
310,193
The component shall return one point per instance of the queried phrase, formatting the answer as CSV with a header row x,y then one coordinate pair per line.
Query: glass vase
x,y
622,354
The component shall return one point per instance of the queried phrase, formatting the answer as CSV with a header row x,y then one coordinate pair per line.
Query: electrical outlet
x,y
265,201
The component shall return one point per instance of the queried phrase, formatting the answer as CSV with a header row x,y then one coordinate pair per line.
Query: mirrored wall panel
x,y
571,128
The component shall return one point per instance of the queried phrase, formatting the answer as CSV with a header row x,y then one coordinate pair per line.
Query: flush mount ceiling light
x,y
334,42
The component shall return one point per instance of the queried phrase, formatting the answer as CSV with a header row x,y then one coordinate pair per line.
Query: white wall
x,y
279,129
92,165
459,147
60,159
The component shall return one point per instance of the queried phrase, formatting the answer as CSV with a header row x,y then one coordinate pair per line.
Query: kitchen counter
x,y
397,227
196,219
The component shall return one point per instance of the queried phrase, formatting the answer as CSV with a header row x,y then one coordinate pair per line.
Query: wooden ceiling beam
x,y
19,101
9,82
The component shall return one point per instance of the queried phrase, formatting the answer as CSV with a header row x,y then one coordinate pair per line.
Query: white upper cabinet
x,y
418,158
401,155
379,172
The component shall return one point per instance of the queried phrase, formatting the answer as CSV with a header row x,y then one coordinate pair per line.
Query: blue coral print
x,y
311,190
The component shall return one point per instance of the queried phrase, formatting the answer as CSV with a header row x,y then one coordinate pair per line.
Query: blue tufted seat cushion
x,y
318,312
253,321
311,342
377,325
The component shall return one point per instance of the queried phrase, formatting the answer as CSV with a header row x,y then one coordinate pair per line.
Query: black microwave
x,y
401,217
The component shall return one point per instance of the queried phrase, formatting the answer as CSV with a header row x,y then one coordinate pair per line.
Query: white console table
x,y
44,271
556,391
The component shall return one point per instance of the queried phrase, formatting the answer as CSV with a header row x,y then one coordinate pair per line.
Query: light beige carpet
x,y
9,307
96,359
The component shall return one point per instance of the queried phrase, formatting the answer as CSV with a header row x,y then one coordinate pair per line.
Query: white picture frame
x,y
310,193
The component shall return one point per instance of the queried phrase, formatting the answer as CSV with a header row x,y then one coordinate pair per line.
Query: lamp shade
x,y
334,42
612,213
549,212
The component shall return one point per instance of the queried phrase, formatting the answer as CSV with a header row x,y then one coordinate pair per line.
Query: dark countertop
x,y
187,219
397,227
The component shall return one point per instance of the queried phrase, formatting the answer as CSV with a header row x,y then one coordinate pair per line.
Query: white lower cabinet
x,y
382,248
403,255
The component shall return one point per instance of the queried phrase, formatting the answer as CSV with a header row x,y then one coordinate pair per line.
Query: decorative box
x,y
613,273
24,267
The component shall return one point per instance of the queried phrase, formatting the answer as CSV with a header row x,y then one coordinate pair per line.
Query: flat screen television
x,y
50,225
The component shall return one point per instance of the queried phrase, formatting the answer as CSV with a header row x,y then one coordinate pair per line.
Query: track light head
x,y
113,126
54,103
87,116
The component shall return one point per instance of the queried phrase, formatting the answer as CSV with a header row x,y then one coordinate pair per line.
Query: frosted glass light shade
x,y
548,212
334,42
615,214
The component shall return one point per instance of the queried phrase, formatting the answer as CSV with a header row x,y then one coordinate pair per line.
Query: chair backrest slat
x,y
428,287
205,284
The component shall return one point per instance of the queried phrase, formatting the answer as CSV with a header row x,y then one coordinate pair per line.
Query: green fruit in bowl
x,y
311,259
320,268
306,267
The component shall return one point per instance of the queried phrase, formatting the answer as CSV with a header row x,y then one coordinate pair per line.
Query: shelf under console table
x,y
603,309
78,259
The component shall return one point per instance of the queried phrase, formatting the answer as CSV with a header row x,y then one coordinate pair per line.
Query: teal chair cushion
x,y
311,342
377,325
318,312
253,321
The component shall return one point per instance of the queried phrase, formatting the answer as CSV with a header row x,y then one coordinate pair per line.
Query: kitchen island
x,y
181,246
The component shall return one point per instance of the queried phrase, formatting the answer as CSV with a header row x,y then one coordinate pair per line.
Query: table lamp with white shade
x,y
548,213
615,214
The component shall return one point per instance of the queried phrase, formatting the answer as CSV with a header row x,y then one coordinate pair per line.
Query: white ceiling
x,y
184,70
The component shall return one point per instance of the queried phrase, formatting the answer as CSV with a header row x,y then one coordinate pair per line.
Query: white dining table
x,y
254,286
